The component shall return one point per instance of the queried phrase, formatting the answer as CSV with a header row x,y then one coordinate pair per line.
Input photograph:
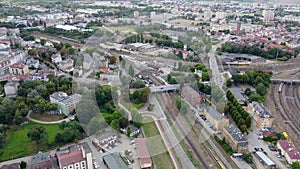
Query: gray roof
x,y
237,94
266,159
234,56
237,135
261,109
114,161
40,157
214,113
132,128
75,147
105,135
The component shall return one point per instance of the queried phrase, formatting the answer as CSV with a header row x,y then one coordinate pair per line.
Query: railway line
x,y
296,97
281,107
202,156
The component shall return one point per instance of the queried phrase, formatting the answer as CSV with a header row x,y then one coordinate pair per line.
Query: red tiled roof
x,y
285,144
70,158
143,152
18,66
294,154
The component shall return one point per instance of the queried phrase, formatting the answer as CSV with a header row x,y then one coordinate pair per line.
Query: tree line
x,y
271,53
240,116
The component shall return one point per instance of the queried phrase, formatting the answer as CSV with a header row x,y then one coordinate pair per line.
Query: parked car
x,y
272,148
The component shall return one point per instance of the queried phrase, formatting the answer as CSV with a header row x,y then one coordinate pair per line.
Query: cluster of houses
x,y
76,156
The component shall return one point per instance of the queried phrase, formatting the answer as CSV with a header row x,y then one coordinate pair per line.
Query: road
x,y
216,76
49,122
174,142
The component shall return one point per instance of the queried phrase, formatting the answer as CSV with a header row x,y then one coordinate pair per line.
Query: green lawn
x,y
160,156
19,145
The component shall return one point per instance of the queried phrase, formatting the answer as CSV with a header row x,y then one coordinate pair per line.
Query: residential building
x,y
215,118
136,14
143,153
66,104
66,65
220,15
18,69
32,63
134,131
236,140
191,95
77,156
105,140
114,161
237,94
41,161
260,114
56,58
268,15
11,166
11,89
289,151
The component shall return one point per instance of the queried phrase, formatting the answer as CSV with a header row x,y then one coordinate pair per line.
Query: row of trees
x,y
238,113
271,53
158,39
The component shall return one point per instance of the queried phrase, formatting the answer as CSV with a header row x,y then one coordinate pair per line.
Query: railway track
x,y
296,97
198,149
290,112
281,107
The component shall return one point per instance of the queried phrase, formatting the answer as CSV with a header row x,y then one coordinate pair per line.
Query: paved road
x,y
185,161
49,122
217,78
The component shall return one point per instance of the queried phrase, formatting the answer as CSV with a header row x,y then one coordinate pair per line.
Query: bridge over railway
x,y
164,88
279,80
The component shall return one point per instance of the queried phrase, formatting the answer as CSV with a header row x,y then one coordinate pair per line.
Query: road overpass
x,y
279,80
164,88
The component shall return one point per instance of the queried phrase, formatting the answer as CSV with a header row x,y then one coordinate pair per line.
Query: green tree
x,y
18,117
261,89
248,158
38,134
23,165
228,83
205,76
112,59
43,42
296,165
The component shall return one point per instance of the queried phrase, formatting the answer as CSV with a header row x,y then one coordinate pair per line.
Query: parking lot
x,y
257,144
122,145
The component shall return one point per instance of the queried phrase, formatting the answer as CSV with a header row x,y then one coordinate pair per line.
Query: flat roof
x,y
214,113
237,94
237,135
114,161
266,159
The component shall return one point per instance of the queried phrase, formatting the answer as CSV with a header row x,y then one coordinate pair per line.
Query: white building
x,y
268,15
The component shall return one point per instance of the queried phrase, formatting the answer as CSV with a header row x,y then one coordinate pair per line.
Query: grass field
x,y
19,145
46,117
162,160
125,29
